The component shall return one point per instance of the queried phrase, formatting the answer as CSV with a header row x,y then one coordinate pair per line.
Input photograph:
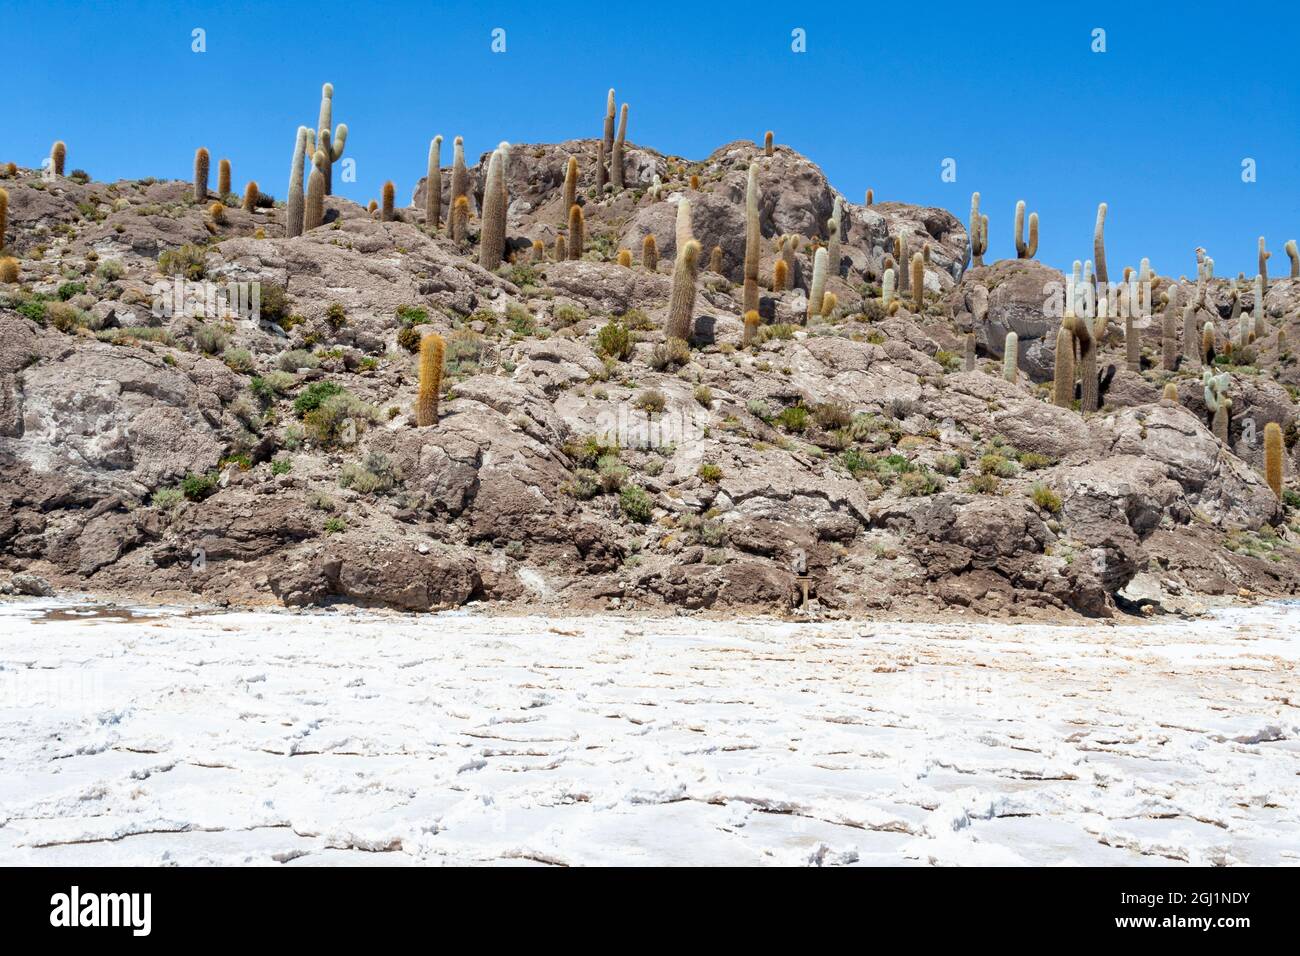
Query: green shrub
x,y
520,320
1045,497
314,395
636,504
588,450
186,262
334,525
614,341
793,419
710,472
281,466
566,315
110,270
671,354
611,472
918,483
951,464
198,487
70,289
295,359
240,360
336,316
340,416
209,339
997,465
1033,461
168,498
412,315
780,330
651,400
271,385
273,304
704,395
831,415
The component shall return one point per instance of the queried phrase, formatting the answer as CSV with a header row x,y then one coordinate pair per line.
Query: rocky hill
x,y
579,458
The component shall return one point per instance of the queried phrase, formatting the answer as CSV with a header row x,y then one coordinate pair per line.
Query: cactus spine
x,y
751,329
681,306
1099,244
1011,357
918,283
570,185
606,143
59,156
433,186
1026,250
818,290
768,148
978,238
616,157
650,253
201,161
753,238
314,212
577,228
250,196
223,178
1063,373
492,238
432,351
1273,457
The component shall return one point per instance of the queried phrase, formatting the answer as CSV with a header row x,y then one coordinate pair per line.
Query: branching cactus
x,y
918,283
577,231
1293,254
606,143
492,239
616,157
1098,244
681,305
570,186
332,141
314,212
386,209
1026,250
432,352
818,290
1063,373
1273,457
201,161
1218,401
59,156
223,178
753,240
978,238
751,327
650,253
1011,357
250,196
433,186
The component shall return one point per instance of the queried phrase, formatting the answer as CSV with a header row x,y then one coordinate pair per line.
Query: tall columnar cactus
x,y
1261,318
492,238
715,265
577,231
818,290
314,212
386,209
683,231
1264,256
4,216
250,196
830,302
789,246
8,269
1063,373
1207,343
331,141
570,186
561,249
681,305
1273,457
901,260
751,329
1169,338
1026,250
223,178
871,196
887,287
918,282
1218,401
1099,244
650,253
58,157
768,148
834,232
459,175
1082,330
780,276
1011,357
606,143
433,186
753,240
201,161
616,156
978,238
1132,346
432,352
294,215
1190,351
1293,254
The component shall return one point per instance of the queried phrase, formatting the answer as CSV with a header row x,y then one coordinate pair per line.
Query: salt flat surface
x,y
366,738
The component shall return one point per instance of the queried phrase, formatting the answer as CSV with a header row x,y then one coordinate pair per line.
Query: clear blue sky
x,y
1157,126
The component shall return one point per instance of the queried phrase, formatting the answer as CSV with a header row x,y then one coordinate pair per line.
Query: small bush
x,y
168,498
831,415
636,504
651,400
198,487
1045,497
110,270
668,355
950,465
273,303
336,316
520,320
314,395
295,359
240,360
334,525
984,484
710,472
997,465
1033,461
793,419
704,395
70,289
918,483
781,330
566,315
188,262
281,466
614,341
